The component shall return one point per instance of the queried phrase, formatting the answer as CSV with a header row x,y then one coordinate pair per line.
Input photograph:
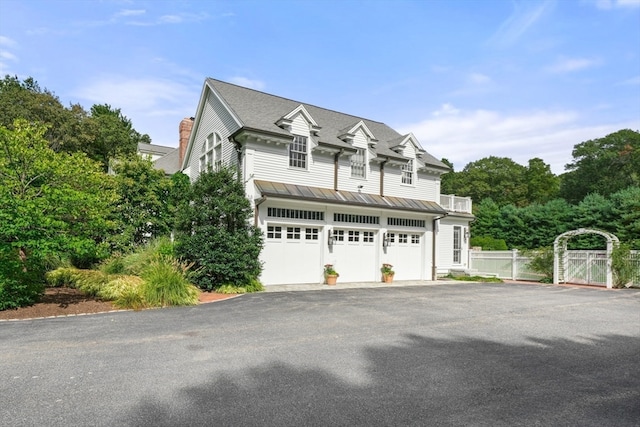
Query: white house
x,y
329,188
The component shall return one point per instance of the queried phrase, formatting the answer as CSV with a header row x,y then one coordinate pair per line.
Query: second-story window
x,y
407,173
298,152
358,163
211,152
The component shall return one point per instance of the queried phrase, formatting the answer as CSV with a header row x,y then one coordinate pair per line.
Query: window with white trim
x,y
338,235
367,236
415,239
354,236
457,244
274,232
211,152
407,172
298,152
403,238
293,233
358,163
311,234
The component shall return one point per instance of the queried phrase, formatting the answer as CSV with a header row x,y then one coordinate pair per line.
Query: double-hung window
x,y
358,163
298,152
407,172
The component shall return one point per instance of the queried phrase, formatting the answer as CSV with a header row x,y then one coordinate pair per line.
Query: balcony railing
x,y
454,203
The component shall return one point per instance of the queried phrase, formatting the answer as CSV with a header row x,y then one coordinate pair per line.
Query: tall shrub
x,y
214,232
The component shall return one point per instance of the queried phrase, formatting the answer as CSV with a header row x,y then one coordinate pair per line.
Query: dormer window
x,y
358,163
211,152
407,173
298,152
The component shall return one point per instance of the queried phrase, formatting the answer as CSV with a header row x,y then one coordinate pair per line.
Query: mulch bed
x,y
68,301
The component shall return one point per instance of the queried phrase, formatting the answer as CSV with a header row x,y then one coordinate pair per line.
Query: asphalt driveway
x,y
463,354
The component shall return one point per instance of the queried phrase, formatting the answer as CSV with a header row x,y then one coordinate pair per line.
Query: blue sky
x,y
470,79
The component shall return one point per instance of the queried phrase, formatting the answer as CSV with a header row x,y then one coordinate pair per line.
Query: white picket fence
x,y
586,267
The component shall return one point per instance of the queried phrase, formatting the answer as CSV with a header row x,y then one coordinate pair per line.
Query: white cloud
x,y
567,65
8,55
616,4
523,17
477,78
246,82
131,12
466,136
6,41
155,106
632,81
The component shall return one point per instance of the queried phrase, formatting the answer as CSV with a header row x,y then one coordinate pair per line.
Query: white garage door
x,y
292,254
405,253
354,252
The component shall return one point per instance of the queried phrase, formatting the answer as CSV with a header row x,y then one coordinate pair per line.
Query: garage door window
x,y
311,233
415,239
367,236
338,235
293,233
274,232
354,236
403,238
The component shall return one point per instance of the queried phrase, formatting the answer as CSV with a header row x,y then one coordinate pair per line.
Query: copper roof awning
x,y
351,198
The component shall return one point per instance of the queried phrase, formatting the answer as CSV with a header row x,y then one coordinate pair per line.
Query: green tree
x,y
604,166
498,178
215,233
26,100
625,206
51,205
542,184
142,209
113,135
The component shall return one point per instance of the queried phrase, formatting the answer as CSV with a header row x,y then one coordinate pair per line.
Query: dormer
x,y
286,121
407,145
349,133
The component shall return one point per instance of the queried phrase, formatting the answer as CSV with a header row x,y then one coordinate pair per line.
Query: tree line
x,y
526,207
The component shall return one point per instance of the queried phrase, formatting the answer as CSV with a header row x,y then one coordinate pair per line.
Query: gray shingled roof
x,y
169,162
260,111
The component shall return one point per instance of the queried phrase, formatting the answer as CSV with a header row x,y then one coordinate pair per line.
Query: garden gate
x,y
587,267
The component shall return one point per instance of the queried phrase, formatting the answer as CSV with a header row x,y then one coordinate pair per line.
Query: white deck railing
x,y
454,203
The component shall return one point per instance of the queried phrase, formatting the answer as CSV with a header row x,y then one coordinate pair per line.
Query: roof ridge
x,y
296,101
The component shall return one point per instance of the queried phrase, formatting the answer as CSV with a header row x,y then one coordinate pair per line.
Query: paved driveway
x,y
464,354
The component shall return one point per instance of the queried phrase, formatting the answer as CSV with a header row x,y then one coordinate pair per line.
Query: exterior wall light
x,y
385,240
466,234
330,238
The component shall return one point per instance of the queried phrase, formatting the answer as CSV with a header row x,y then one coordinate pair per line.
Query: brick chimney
x,y
186,125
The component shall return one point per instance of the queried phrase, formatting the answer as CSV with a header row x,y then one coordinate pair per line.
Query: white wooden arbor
x,y
560,258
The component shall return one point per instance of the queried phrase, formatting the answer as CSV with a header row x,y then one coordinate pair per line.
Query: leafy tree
x,y
605,166
541,223
488,243
542,184
103,134
487,222
498,178
51,204
28,101
113,135
141,210
448,181
215,233
625,206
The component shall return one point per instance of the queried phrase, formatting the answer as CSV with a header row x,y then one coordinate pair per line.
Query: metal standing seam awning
x,y
350,198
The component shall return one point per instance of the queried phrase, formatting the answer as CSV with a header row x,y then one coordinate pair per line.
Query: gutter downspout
x,y
382,177
258,202
434,268
335,169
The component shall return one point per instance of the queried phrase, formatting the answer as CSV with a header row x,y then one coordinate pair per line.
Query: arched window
x,y
211,152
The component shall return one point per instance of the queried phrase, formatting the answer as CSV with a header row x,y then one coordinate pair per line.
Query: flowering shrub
x,y
387,269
